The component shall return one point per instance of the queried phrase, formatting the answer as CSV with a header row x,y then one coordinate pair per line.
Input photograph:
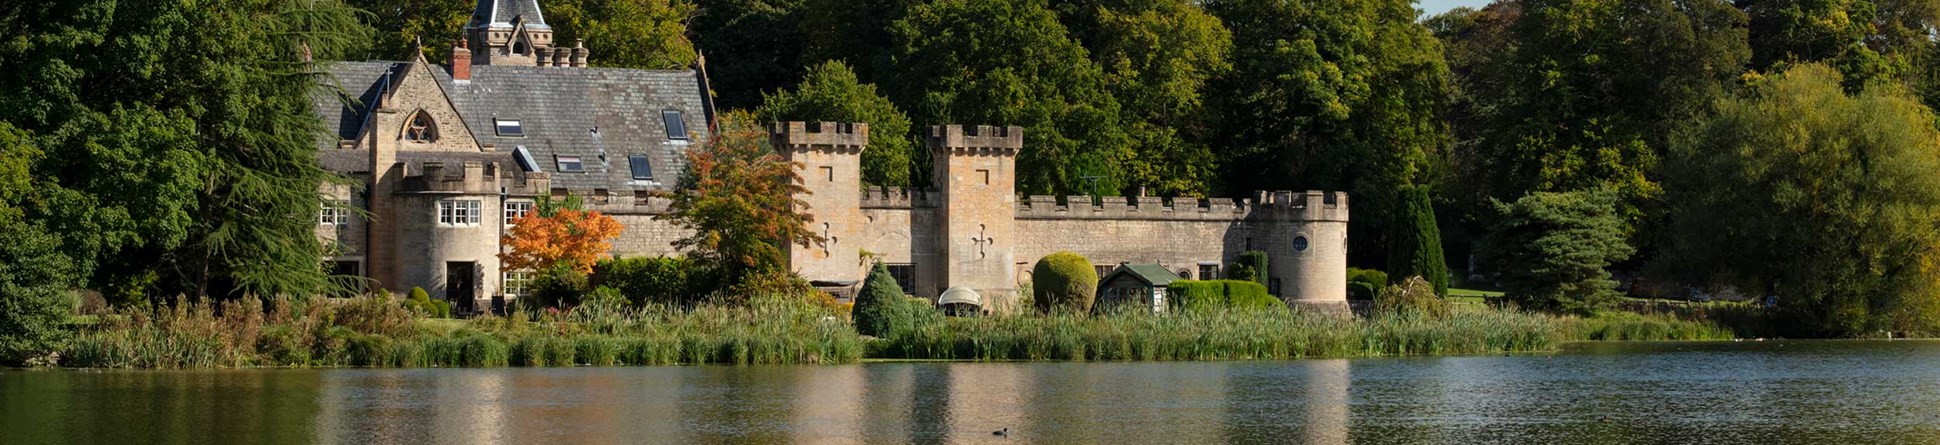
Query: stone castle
x,y
448,156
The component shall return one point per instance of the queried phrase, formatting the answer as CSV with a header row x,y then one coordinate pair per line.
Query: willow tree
x,y
1825,200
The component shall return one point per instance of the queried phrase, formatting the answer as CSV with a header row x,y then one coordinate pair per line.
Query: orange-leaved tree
x,y
555,235
739,198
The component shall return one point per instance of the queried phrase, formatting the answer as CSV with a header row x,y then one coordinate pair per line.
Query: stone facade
x,y
445,156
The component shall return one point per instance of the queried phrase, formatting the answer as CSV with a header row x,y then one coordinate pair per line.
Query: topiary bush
x,y
1064,281
877,310
1414,296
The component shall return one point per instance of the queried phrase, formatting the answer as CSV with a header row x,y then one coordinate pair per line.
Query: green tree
x,y
1064,281
1590,91
35,276
738,199
1157,57
880,309
1009,62
1336,95
180,137
1824,199
1867,40
1417,242
752,46
831,93
645,34
1549,250
401,24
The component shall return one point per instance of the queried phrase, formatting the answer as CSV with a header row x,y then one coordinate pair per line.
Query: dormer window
x,y
642,170
571,164
676,128
421,129
509,128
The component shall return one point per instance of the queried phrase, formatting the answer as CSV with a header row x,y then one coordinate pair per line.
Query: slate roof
x,y
502,12
1153,274
559,108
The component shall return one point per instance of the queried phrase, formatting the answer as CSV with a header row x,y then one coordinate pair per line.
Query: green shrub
x,y
559,287
1414,296
32,322
1255,262
1219,295
1195,296
659,280
878,309
1365,284
1064,281
1249,296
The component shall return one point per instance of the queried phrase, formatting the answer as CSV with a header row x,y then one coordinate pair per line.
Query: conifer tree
x,y
1417,242
880,308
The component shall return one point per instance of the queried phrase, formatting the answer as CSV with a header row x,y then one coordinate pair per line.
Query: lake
x,y
1842,392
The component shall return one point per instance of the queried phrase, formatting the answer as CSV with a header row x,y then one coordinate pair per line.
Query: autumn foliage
x,y
567,237
738,197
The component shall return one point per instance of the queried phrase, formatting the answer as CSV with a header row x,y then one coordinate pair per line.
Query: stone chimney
x,y
461,61
544,54
580,54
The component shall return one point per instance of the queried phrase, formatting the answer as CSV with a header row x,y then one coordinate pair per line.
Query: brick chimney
x,y
461,61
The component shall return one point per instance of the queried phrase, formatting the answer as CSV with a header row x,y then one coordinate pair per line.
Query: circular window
x,y
1300,244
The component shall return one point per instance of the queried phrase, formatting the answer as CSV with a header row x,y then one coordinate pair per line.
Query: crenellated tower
x,y
975,169
828,159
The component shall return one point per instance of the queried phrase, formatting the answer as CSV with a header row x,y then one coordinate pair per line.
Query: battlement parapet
x,y
439,177
977,139
878,197
1309,206
803,136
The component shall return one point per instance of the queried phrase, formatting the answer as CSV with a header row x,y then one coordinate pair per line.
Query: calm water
x,y
1771,392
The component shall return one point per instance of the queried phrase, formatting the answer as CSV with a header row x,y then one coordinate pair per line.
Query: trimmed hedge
x,y
1196,296
1064,281
1213,295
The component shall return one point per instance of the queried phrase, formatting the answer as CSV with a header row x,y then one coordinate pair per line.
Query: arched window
x,y
518,47
421,128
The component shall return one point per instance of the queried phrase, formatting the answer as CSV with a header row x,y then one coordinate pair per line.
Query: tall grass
x,y
1215,336
374,332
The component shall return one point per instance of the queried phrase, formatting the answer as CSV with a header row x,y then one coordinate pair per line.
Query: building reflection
x,y
1310,405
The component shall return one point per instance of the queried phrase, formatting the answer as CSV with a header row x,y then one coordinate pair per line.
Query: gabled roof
x,y
1152,274
558,108
501,13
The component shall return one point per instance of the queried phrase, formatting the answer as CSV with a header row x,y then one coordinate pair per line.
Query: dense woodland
x,y
150,149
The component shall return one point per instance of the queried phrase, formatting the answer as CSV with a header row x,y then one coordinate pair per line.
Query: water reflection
x,y
1847,393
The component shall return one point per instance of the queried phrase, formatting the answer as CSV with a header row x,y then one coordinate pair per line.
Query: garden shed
x,y
1136,284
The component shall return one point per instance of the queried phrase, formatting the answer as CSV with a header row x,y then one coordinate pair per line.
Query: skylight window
x,y
676,128
509,128
571,164
642,170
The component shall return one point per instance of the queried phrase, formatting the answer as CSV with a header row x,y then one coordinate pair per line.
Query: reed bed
x,y
374,332
1217,336
371,332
